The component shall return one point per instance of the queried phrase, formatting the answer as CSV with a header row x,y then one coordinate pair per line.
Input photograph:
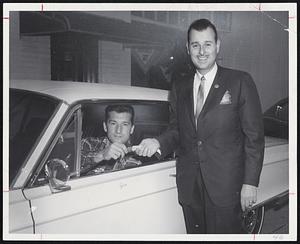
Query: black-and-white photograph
x,y
149,121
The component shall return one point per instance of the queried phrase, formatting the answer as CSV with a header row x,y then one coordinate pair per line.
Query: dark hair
x,y
119,108
200,25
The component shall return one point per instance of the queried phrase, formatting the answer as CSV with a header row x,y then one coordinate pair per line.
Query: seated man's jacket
x,y
90,146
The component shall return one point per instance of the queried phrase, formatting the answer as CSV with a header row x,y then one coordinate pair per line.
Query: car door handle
x,y
172,175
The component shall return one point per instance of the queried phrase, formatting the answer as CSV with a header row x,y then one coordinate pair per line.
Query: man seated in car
x,y
113,151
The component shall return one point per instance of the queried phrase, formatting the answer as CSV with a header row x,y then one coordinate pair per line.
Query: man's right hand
x,y
148,147
114,151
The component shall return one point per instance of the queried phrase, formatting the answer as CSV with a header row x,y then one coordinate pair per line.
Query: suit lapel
x,y
216,92
189,100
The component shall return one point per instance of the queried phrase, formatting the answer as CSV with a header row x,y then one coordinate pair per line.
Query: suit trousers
x,y
202,216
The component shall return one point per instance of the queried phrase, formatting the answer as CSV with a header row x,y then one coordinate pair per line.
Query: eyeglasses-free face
x,y
203,49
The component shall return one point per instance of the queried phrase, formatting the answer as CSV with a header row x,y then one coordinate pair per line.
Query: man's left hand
x,y
248,196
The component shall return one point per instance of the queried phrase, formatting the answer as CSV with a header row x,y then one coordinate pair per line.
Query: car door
x,y
20,219
274,179
136,200
32,119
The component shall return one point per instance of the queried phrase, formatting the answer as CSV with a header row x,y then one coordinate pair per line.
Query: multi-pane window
x,y
182,19
149,15
162,16
173,17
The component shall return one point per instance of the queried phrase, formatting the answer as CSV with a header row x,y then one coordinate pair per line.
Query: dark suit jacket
x,y
228,144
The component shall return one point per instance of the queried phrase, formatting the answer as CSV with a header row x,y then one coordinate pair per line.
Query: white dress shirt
x,y
209,78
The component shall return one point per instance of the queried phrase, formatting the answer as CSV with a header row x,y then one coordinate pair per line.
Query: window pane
x,y
195,15
183,19
204,15
222,20
137,13
162,16
149,15
64,149
173,18
29,113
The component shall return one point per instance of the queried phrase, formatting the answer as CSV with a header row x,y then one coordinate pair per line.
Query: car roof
x,y
70,91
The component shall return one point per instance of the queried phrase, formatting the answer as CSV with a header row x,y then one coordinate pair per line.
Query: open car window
x,y
151,119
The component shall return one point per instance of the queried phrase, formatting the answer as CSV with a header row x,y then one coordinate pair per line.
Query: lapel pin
x,y
217,86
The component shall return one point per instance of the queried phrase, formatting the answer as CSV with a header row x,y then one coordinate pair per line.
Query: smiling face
x,y
203,49
118,127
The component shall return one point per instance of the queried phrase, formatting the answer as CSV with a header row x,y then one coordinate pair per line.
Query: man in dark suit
x,y
216,123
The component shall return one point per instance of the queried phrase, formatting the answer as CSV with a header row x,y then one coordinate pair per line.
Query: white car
x,y
50,194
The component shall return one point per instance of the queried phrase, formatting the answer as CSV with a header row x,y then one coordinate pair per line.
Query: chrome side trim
x,y
275,198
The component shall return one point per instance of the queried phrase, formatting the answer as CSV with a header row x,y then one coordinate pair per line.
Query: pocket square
x,y
226,99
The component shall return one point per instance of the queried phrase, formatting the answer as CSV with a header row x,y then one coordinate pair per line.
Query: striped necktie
x,y
200,98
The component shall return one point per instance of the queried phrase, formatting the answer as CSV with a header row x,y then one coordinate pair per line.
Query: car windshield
x,y
28,115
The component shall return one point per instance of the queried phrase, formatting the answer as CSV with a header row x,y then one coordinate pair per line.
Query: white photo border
x,y
264,8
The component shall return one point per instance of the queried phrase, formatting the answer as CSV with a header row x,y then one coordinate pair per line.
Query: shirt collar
x,y
210,75
209,78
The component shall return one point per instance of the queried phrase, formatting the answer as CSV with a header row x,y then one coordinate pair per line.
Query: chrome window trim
x,y
78,128
50,148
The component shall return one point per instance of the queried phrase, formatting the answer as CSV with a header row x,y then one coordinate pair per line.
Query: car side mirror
x,y
58,174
